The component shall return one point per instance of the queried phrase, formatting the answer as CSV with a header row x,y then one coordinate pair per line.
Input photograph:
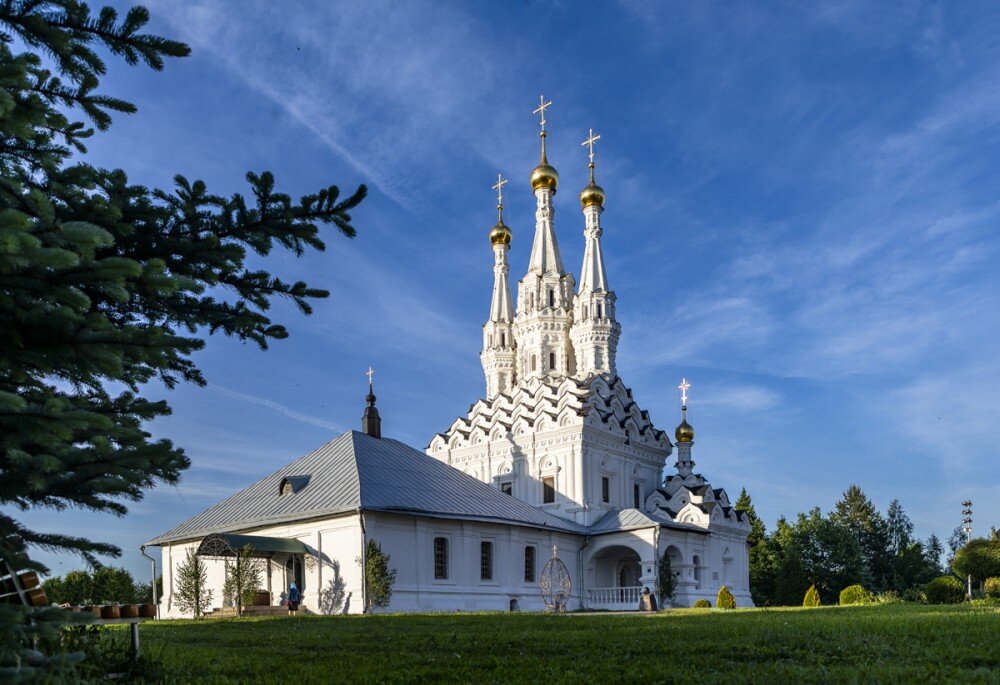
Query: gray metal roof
x,y
634,519
356,471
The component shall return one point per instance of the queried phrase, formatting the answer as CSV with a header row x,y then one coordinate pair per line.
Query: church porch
x,y
617,571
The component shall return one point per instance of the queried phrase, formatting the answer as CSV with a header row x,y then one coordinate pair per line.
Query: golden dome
x,y
684,432
544,176
500,234
592,194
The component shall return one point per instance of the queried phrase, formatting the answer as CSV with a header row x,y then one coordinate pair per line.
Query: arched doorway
x,y
615,579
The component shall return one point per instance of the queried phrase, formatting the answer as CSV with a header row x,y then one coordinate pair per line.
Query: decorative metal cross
x,y
501,182
589,143
370,372
542,106
683,387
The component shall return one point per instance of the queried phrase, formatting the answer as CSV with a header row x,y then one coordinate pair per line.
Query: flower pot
x,y
129,611
147,610
111,611
92,609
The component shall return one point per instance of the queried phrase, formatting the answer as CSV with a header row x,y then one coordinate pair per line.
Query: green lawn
x,y
897,644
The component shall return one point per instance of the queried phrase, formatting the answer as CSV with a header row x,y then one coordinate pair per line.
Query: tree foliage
x,y
855,594
666,581
379,578
980,558
243,579
106,285
191,591
945,590
104,585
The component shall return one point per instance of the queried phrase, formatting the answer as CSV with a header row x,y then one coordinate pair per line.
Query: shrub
x,y
725,600
945,590
702,604
887,597
854,594
914,595
812,597
992,587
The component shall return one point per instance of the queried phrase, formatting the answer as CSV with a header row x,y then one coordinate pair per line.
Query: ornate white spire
x,y
545,294
499,347
595,331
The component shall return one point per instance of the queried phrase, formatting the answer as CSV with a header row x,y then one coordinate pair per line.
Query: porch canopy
x,y
230,545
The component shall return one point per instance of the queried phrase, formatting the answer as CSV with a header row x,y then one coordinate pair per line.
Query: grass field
x,y
896,644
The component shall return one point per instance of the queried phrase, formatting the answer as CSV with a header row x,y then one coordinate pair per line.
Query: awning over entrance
x,y
227,545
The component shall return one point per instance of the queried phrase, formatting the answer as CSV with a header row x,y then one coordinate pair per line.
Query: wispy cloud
x,y
274,406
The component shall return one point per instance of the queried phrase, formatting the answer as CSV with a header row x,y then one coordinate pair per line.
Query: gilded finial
x,y
684,432
543,175
500,234
592,194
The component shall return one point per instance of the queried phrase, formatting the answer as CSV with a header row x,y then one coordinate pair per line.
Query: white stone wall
x,y
409,540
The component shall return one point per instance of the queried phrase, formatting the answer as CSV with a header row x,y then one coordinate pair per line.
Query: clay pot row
x,y
116,611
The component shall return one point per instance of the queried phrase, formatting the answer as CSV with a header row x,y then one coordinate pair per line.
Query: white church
x,y
556,458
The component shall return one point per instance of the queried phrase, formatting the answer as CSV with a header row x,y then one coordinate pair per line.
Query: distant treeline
x,y
855,544
105,585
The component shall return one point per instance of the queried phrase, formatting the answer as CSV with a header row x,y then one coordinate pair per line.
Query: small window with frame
x,y
440,558
548,489
507,488
486,560
605,489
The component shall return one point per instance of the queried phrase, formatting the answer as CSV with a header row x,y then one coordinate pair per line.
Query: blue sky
x,y
801,219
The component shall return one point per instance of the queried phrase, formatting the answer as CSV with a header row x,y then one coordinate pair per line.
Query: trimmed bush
x,y
992,587
812,597
945,590
725,600
855,594
702,604
914,595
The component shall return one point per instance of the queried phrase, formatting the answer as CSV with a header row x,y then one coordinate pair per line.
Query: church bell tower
x,y
499,353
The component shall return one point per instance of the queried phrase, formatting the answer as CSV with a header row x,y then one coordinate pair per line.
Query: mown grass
x,y
886,644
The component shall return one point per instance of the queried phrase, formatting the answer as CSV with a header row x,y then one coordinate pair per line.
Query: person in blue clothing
x,y
293,599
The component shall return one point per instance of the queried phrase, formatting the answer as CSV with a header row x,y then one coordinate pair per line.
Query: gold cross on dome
x,y
542,106
589,143
683,387
370,372
501,182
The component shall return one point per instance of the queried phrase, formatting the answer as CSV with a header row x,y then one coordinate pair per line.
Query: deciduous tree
x,y
379,578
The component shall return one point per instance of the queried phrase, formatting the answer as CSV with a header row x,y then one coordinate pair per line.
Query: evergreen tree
x,y
812,598
856,513
933,550
113,586
106,285
666,581
191,585
379,578
790,580
899,527
243,579
757,531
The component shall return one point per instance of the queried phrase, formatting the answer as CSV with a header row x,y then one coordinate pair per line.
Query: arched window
x,y
534,363
552,361
441,558
552,297
503,340
600,311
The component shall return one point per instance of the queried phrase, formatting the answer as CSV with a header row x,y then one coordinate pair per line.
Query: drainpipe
x,y
152,564
364,553
583,588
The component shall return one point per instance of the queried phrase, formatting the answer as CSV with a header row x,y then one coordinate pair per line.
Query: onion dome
x,y
500,234
592,194
684,432
544,176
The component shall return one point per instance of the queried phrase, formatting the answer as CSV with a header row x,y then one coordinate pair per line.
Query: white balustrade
x,y
616,598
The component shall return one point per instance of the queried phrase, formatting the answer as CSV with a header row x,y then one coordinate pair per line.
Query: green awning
x,y
228,544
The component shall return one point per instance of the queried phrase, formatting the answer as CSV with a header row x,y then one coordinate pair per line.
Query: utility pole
x,y
967,528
